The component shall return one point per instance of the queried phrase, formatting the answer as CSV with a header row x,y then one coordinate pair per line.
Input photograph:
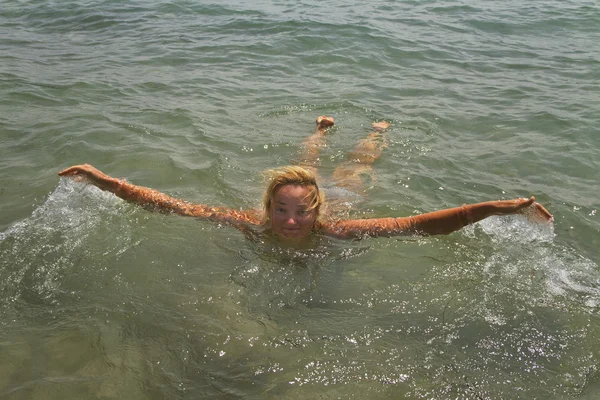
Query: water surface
x,y
101,299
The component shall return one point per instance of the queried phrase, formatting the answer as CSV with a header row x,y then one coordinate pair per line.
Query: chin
x,y
294,234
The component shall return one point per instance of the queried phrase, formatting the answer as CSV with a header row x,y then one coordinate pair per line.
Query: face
x,y
290,216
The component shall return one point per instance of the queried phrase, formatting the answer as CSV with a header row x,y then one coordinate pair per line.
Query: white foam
x,y
517,228
572,276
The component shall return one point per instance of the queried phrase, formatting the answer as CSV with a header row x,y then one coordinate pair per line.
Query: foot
x,y
324,122
381,125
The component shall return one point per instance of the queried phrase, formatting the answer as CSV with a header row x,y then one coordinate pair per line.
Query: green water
x,y
487,100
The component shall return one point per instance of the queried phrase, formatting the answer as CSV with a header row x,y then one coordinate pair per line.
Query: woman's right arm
x,y
157,201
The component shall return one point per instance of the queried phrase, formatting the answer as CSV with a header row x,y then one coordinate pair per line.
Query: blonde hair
x,y
292,175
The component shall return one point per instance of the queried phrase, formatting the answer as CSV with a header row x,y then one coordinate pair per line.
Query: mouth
x,y
290,231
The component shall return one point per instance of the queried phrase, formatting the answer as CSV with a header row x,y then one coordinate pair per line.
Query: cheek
x,y
275,218
278,220
309,221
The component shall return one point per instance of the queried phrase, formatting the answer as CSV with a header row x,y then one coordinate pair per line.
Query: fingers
x,y
534,211
74,170
538,210
541,210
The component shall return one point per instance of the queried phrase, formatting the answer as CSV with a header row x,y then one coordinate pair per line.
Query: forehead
x,y
292,194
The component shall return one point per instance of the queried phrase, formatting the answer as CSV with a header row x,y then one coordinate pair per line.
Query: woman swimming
x,y
293,201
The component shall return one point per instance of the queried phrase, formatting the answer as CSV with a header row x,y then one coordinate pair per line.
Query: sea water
x,y
486,100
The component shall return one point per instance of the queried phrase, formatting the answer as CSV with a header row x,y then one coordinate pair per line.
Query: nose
x,y
291,221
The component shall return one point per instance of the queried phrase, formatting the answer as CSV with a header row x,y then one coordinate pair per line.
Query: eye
x,y
280,210
302,212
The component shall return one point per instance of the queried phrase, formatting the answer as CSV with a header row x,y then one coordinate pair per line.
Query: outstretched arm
x,y
437,222
156,201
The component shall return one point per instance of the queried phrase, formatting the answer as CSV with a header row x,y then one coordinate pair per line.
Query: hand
x,y
537,213
86,172
534,211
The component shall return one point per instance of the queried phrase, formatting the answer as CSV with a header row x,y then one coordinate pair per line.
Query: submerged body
x,y
293,201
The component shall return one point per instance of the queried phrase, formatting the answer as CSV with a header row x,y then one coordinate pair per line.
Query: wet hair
x,y
292,175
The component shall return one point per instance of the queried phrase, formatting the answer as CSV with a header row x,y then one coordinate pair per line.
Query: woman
x,y
293,202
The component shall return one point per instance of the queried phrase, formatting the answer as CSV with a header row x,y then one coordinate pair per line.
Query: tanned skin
x,y
366,152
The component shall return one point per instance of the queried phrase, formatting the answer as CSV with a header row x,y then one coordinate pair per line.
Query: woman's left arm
x,y
436,222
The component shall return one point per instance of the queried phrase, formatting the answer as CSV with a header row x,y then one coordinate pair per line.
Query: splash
x,y
37,252
517,228
526,251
